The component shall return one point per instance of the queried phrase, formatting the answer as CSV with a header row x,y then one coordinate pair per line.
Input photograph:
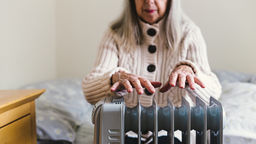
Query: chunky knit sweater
x,y
155,61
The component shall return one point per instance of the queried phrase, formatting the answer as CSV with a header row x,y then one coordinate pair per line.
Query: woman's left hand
x,y
180,75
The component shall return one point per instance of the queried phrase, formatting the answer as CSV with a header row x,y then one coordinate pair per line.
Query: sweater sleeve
x,y
96,85
196,57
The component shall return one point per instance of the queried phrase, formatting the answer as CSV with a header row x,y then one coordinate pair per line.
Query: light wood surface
x,y
19,132
17,116
14,114
13,98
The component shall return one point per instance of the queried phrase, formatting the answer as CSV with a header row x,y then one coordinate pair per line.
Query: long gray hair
x,y
129,32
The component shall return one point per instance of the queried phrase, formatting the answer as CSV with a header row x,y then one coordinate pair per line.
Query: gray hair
x,y
129,32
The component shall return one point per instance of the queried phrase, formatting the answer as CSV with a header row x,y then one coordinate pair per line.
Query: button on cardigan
x,y
152,49
112,58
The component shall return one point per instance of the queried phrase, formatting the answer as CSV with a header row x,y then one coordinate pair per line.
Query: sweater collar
x,y
151,31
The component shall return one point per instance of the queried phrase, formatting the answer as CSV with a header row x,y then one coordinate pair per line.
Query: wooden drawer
x,y
14,114
17,116
17,132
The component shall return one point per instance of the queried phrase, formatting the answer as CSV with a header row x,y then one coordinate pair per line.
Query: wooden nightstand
x,y
17,116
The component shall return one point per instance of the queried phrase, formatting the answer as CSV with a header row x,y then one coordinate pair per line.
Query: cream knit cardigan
x,y
112,58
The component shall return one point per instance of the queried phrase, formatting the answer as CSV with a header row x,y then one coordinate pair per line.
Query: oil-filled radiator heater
x,y
113,120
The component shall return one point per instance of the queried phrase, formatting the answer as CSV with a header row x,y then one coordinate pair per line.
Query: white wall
x,y
80,25
27,42
228,27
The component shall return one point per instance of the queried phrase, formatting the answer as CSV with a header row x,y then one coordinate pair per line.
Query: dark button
x,y
151,68
152,48
147,92
151,32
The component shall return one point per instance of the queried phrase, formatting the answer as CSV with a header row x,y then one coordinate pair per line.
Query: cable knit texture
x,y
112,58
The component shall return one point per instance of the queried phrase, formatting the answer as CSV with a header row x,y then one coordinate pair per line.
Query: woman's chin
x,y
151,20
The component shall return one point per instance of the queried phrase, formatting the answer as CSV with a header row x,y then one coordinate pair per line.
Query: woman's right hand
x,y
122,80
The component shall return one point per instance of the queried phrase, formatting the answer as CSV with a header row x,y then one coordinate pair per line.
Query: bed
x,y
63,115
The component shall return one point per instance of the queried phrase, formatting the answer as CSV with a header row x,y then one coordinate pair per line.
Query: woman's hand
x,y
122,80
180,75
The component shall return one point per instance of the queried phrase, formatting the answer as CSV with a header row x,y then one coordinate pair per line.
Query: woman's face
x,y
151,10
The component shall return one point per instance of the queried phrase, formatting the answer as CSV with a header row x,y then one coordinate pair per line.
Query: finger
x,y
136,83
199,82
115,86
191,81
156,84
182,80
147,84
165,88
173,79
127,85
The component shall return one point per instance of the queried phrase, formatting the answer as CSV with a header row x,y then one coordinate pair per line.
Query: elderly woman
x,y
153,42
